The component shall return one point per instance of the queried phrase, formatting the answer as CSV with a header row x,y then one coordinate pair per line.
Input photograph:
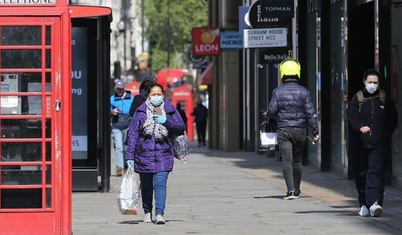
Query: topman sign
x,y
277,8
27,2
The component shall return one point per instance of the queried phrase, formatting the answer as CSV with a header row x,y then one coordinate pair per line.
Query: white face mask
x,y
371,87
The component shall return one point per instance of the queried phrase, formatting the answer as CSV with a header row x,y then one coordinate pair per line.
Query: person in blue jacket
x,y
120,103
150,148
292,108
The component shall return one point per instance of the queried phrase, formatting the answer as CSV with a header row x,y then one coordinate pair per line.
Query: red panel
x,y
63,152
169,76
88,11
28,223
184,96
57,219
134,87
32,11
207,76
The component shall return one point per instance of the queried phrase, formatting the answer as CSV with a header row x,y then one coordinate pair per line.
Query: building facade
x,y
336,42
127,38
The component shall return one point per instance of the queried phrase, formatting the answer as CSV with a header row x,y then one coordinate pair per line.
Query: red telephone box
x,y
184,95
35,118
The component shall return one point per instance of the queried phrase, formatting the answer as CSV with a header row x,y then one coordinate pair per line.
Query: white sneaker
x,y
147,218
375,210
159,219
364,212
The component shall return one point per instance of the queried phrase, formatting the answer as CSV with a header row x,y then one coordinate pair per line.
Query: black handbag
x,y
268,136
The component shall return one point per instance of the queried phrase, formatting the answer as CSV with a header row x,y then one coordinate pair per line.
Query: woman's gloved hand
x,y
130,163
159,119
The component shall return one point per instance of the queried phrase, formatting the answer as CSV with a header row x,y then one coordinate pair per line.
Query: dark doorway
x,y
360,46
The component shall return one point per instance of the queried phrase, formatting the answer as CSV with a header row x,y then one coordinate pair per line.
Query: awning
x,y
89,11
207,76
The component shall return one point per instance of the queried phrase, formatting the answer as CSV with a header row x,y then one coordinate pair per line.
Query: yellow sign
x,y
203,87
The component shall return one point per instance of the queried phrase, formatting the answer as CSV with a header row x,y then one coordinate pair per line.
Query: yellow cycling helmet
x,y
289,68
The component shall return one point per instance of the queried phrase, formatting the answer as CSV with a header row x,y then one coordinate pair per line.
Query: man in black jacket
x,y
372,117
201,116
292,107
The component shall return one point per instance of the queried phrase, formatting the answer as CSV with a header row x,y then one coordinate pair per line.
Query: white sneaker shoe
x,y
147,218
364,212
375,210
159,219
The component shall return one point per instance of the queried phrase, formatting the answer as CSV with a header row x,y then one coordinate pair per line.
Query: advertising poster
x,y
79,78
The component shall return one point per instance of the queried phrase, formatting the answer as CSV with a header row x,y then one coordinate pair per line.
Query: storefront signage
x,y
244,22
277,8
231,40
28,2
258,20
197,61
273,55
201,66
206,41
269,37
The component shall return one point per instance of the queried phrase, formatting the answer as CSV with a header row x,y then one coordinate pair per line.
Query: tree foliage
x,y
183,16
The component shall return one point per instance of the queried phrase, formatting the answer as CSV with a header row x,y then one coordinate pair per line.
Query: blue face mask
x,y
156,100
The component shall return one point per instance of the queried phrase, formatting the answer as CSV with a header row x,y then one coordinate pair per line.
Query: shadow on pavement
x,y
329,187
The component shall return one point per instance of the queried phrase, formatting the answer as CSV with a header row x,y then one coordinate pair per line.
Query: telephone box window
x,y
21,198
48,58
24,175
21,59
26,128
21,35
48,36
22,152
24,82
48,198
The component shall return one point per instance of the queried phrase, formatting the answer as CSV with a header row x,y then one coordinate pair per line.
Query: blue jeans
x,y
119,137
291,142
149,183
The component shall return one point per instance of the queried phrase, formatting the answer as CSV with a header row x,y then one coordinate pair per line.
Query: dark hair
x,y
371,72
147,82
154,85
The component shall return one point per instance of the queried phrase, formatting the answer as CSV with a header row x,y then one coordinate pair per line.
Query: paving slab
x,y
240,193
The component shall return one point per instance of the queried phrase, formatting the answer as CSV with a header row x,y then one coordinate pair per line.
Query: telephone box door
x,y
30,120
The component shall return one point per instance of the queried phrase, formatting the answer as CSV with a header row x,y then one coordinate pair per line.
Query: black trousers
x,y
292,142
201,131
369,168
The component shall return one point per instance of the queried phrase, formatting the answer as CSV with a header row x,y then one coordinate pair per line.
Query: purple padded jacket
x,y
148,156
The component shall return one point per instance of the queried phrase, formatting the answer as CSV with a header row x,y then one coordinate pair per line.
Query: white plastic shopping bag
x,y
128,195
268,136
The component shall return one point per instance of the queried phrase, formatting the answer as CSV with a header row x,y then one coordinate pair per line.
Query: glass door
x,y
30,121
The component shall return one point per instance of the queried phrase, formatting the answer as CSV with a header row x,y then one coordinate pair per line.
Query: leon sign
x,y
206,41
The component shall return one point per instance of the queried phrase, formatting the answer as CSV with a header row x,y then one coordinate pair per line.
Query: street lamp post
x,y
142,25
168,42
122,28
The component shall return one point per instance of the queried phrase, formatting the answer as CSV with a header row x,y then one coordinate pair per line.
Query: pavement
x,y
219,193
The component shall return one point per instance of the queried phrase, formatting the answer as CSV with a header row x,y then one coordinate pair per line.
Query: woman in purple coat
x,y
150,148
